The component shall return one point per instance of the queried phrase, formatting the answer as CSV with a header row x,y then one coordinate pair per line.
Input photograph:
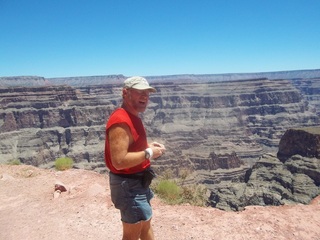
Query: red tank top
x,y
139,139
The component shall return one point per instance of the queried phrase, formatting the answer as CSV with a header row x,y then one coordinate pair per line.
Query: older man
x,y
128,155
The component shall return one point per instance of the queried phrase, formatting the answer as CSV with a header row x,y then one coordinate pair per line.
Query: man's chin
x,y
142,109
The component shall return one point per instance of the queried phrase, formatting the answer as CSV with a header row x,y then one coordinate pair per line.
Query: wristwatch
x,y
148,153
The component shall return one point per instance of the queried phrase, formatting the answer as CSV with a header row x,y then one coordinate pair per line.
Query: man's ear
x,y
124,92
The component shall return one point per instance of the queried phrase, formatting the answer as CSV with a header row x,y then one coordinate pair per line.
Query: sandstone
x,y
294,141
216,128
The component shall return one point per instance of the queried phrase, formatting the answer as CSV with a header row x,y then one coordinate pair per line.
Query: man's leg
x,y
146,231
131,231
142,230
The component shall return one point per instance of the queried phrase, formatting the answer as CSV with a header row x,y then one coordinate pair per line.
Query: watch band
x,y
148,153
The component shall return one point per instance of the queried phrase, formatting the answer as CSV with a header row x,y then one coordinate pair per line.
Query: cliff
x,y
292,177
215,126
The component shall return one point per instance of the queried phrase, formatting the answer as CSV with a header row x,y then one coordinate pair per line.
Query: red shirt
x,y
139,139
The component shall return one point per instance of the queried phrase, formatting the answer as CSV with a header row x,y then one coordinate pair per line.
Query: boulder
x,y
304,142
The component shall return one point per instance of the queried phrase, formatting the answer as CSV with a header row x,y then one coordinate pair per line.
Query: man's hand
x,y
157,148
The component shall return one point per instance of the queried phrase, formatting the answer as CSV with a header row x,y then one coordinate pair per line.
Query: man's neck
x,y
130,110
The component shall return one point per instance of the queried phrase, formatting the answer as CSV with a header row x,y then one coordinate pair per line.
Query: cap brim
x,y
151,89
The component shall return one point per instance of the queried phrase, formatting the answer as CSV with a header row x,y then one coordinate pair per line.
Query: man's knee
x,y
131,231
146,231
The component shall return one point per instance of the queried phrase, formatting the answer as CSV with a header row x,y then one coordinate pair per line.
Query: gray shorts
x,y
131,198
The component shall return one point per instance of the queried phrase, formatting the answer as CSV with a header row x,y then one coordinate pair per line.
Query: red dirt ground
x,y
29,210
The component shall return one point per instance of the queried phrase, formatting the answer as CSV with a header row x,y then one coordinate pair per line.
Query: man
x,y
128,155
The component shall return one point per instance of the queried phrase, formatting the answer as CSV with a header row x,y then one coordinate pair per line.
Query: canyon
x,y
221,129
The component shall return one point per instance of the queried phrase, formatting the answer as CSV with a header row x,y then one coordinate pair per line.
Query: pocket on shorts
x,y
119,194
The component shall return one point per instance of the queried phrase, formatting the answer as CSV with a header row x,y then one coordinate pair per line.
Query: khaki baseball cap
x,y
139,83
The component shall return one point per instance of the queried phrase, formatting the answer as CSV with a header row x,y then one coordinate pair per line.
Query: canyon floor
x,y
29,209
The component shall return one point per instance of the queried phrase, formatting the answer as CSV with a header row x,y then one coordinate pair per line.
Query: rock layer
x,y
245,117
273,182
216,129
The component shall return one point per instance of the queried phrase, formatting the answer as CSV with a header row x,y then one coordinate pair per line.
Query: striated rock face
x,y
245,117
274,182
37,125
294,141
214,162
215,128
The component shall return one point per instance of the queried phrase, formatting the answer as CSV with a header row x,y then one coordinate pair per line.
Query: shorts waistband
x,y
131,176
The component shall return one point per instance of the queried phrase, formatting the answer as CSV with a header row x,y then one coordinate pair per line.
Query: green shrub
x,y
169,191
63,163
14,162
175,191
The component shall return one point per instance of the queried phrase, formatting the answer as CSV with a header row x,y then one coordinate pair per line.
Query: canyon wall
x,y
291,176
216,127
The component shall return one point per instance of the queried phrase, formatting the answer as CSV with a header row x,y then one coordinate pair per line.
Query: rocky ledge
x,y
292,178
216,127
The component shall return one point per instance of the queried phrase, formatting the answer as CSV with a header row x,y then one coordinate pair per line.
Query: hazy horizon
x,y
80,38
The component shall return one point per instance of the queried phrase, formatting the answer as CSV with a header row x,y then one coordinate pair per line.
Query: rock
x,y
274,182
304,189
305,165
56,194
216,127
194,115
304,142
60,187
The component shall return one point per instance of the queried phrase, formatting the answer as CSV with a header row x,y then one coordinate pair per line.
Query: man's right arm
x,y
120,138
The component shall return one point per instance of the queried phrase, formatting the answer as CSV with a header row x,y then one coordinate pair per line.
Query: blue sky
x,y
61,38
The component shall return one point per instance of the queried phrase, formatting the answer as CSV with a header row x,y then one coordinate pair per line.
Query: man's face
x,y
137,99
